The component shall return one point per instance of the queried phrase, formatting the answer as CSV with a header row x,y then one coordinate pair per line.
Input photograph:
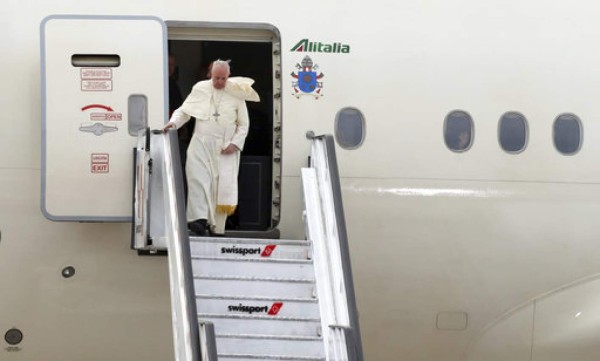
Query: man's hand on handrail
x,y
168,126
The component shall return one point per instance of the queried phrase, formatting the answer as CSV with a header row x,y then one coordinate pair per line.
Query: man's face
x,y
219,77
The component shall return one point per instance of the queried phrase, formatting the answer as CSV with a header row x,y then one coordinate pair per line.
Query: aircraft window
x,y
137,113
567,134
513,131
458,131
349,128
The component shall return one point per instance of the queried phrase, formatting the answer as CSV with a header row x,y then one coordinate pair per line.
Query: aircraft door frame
x,y
241,33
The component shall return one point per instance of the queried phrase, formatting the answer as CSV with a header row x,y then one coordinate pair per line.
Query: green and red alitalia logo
x,y
306,45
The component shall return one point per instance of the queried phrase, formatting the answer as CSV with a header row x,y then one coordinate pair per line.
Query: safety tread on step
x,y
265,345
253,279
269,337
256,298
279,242
253,260
202,316
270,357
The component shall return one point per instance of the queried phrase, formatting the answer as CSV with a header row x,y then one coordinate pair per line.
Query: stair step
x,y
260,324
263,344
250,248
242,357
258,287
260,296
269,337
268,317
258,306
220,266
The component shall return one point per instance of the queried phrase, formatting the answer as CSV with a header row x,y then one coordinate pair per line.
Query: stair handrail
x,y
343,343
324,161
208,341
186,337
345,337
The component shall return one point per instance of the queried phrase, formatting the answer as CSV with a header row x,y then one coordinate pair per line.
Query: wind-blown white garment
x,y
221,120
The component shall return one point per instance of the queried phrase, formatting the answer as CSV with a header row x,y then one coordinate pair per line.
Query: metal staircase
x,y
261,297
239,299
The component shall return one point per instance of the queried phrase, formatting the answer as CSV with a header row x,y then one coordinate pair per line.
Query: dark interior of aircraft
x,y
248,59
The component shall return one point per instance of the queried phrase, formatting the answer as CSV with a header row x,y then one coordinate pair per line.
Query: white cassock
x,y
221,120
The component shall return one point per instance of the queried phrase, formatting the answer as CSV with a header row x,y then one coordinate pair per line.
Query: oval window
x,y
458,131
567,134
512,132
349,128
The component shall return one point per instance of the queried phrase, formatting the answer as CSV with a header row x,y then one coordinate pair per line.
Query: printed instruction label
x,y
106,116
96,85
96,74
109,115
96,79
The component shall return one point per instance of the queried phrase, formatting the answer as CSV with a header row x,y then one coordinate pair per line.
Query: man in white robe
x,y
213,157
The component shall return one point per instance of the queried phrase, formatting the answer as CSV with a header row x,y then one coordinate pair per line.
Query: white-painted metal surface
x,y
91,67
184,331
322,228
264,321
431,231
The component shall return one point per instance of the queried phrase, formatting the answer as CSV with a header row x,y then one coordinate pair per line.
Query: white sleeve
x,y
179,118
243,123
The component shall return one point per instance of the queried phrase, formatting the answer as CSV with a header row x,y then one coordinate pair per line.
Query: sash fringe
x,y
228,210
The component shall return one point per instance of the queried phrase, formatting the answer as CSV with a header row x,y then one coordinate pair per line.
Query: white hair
x,y
221,63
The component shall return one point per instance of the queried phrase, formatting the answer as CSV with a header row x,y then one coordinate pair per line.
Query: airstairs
x,y
242,299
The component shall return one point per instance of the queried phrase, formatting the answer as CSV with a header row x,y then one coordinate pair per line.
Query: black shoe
x,y
198,227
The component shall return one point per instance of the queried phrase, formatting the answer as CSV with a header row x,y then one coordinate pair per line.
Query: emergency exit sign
x,y
100,162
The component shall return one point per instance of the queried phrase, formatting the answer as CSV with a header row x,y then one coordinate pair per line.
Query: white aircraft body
x,y
490,251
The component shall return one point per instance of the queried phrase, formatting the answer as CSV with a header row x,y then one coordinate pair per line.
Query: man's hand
x,y
231,148
168,126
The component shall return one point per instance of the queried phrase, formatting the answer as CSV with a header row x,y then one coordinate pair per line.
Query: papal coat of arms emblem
x,y
307,81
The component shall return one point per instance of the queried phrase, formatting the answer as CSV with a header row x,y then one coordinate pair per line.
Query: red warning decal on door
x,y
108,115
96,73
96,80
96,85
100,163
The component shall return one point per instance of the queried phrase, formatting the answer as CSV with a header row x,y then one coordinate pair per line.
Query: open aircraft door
x,y
104,78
